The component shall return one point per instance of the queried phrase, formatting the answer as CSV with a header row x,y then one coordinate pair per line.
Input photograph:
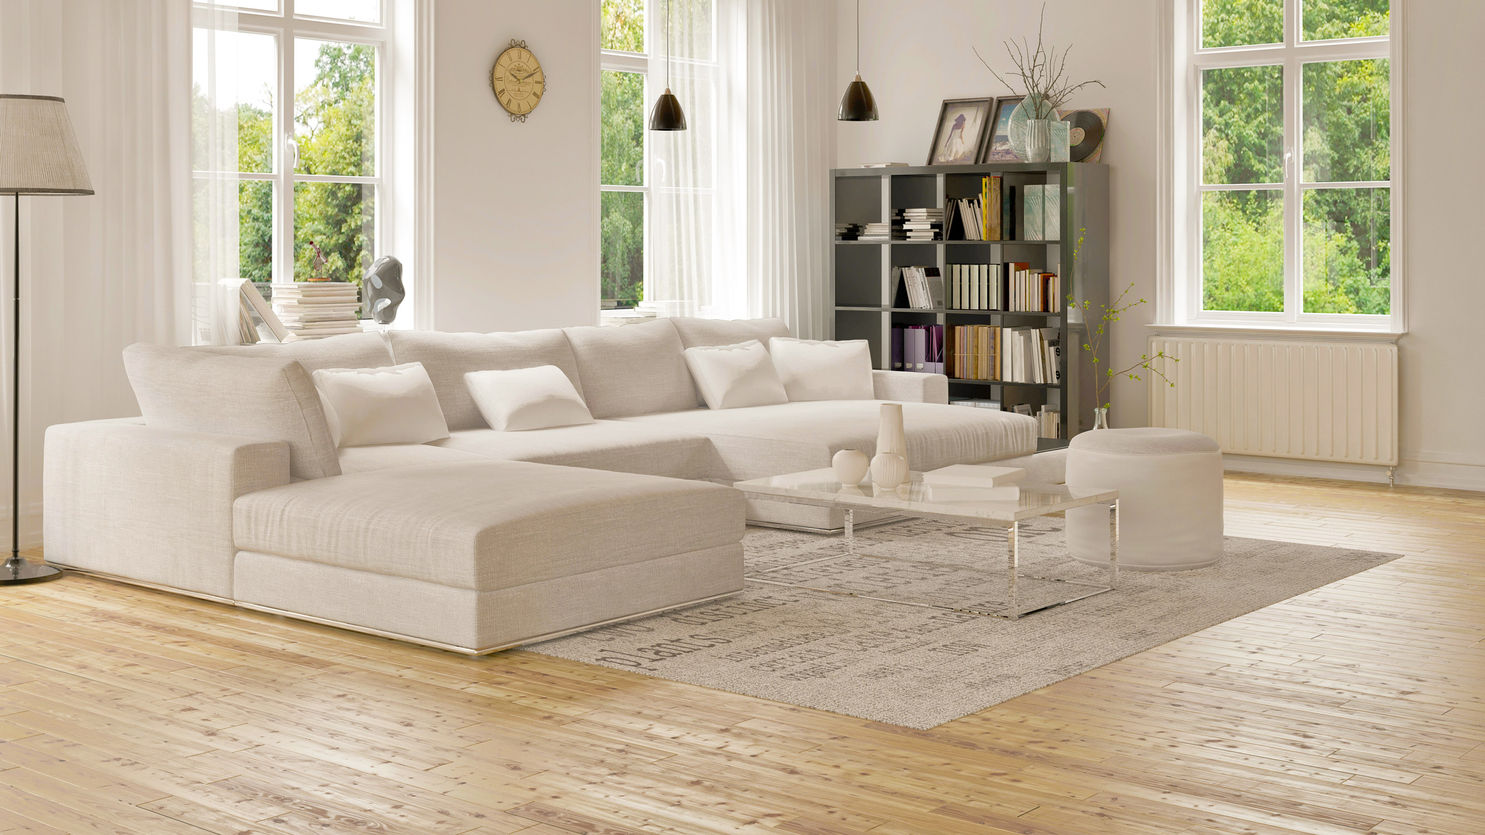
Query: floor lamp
x,y
38,155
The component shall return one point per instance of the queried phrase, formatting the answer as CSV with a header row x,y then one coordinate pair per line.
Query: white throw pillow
x,y
819,370
392,405
733,376
527,398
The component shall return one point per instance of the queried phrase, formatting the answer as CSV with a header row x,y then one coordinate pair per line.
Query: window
x,y
657,188
288,169
1288,175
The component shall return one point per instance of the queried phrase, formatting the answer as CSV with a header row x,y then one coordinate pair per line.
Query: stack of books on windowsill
x,y
314,309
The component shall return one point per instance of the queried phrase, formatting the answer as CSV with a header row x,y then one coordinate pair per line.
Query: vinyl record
x,y
1088,125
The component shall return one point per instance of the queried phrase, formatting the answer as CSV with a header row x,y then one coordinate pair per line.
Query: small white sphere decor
x,y
850,466
888,470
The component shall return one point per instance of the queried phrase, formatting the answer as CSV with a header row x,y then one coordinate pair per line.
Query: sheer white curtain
x,y
109,269
739,200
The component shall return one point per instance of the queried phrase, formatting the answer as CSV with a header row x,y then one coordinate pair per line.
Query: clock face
x,y
518,80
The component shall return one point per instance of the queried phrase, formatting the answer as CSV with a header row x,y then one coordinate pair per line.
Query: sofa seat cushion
x,y
488,524
449,356
762,441
362,459
601,445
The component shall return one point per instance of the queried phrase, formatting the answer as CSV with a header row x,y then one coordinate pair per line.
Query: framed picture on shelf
x,y
963,125
998,149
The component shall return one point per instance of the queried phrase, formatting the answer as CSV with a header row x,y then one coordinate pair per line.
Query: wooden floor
x,y
1359,707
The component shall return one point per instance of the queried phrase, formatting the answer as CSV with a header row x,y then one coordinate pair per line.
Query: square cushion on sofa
x,y
733,376
263,398
449,356
763,441
350,350
632,369
487,524
813,369
370,406
697,333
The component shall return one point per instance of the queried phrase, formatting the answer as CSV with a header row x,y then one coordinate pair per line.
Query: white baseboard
x,y
1423,470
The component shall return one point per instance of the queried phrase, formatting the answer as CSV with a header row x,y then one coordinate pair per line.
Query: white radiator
x,y
1322,401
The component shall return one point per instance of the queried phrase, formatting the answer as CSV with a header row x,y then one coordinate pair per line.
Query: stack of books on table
x,y
923,224
875,232
312,309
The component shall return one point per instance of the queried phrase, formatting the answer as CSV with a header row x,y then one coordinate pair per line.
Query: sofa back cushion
x,y
351,350
449,356
702,333
632,369
264,398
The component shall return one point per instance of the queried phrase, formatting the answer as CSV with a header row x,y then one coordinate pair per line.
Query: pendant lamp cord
x,y
667,44
858,36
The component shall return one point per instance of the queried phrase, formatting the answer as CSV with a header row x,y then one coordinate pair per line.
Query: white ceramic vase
x,y
890,435
888,470
850,466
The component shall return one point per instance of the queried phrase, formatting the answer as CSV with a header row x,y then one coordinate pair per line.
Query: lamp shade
x,y
38,150
667,114
857,105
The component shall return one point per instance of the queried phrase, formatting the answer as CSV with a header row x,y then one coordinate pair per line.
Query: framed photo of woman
x,y
998,149
962,129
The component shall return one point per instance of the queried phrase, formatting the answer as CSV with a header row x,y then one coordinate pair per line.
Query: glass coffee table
x,y
984,506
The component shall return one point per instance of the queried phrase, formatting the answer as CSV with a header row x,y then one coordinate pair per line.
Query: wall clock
x,y
518,81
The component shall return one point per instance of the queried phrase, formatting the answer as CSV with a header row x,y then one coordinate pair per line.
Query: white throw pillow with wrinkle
x,y
518,399
371,406
734,376
823,370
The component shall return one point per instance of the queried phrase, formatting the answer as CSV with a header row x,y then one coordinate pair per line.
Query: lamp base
x,y
17,571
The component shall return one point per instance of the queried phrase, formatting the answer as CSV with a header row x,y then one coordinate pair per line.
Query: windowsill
x,y
1282,331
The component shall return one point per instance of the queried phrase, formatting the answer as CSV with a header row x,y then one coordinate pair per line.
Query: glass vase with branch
x,y
1041,71
1104,375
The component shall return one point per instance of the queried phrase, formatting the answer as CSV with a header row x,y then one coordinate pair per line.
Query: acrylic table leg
x,y
1114,543
850,536
1013,558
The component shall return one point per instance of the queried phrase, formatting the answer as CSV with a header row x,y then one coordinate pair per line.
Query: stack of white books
x,y
922,224
875,232
313,309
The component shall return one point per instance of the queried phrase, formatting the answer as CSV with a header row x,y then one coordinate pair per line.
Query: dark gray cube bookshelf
x,y
864,274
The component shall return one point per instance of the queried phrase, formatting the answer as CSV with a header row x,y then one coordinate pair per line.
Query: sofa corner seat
x,y
477,556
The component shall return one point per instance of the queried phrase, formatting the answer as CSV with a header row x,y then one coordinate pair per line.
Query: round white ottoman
x,y
1170,498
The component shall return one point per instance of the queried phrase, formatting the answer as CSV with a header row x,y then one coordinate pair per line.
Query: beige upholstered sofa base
x,y
479,622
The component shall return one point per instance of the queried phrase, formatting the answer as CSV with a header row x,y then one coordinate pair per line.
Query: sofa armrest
x,y
151,504
910,386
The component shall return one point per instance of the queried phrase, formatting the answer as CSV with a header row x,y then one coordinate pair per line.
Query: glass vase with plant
x,y
1103,374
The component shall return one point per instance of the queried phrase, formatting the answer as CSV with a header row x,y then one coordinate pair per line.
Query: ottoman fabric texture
x,y
1170,497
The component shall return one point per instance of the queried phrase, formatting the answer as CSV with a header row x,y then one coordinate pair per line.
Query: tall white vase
x,y
891,440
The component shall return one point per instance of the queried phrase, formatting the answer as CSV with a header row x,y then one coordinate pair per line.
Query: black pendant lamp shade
x,y
857,105
667,114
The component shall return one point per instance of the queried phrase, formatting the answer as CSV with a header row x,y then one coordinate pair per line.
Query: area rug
x,y
920,667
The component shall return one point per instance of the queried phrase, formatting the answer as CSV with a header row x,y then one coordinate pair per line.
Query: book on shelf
x,y
919,288
921,348
976,402
882,165
1049,422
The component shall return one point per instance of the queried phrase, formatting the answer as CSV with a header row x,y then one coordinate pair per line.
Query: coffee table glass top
x,y
990,503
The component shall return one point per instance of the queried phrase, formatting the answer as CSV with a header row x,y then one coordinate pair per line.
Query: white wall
x,y
1443,389
515,205
916,53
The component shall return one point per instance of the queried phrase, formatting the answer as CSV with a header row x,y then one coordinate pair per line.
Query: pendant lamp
x,y
857,105
667,114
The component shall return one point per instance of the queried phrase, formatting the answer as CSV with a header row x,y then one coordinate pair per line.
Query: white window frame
x,y
1190,60
639,62
285,27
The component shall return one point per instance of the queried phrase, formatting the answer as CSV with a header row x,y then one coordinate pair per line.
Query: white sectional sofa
x,y
231,487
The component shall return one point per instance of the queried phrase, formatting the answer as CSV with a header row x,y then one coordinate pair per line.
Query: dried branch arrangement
x,y
1042,71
